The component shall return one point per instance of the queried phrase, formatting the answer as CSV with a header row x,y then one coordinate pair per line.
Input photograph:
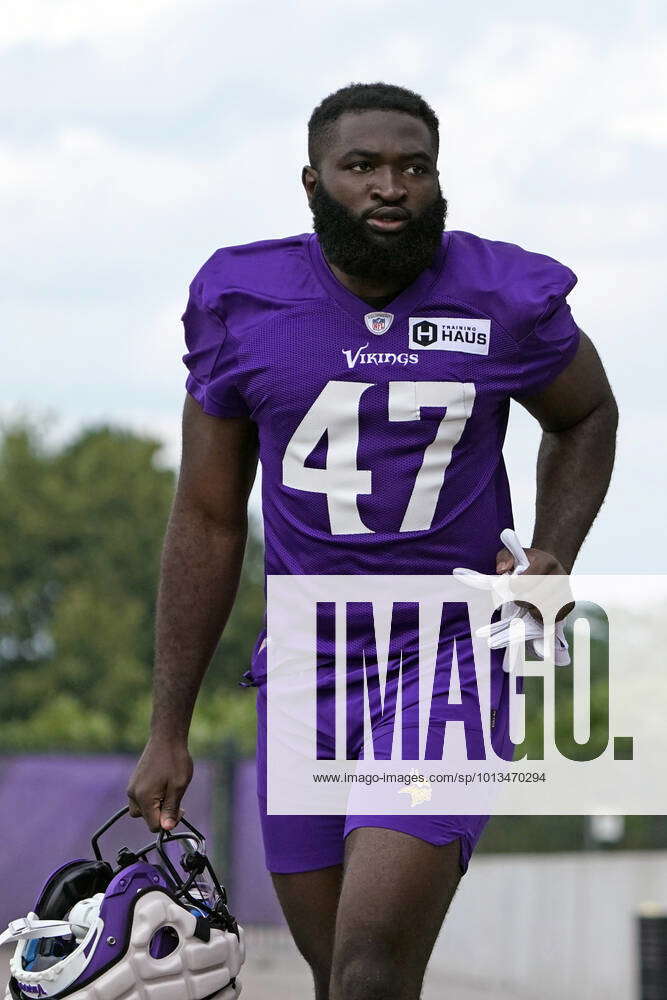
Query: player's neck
x,y
376,293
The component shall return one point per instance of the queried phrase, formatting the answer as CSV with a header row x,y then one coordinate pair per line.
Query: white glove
x,y
500,634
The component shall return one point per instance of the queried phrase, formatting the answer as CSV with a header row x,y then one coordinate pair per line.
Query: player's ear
x,y
309,180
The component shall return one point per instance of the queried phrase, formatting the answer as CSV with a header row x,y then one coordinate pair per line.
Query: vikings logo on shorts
x,y
378,322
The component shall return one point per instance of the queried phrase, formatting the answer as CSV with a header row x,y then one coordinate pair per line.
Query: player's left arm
x,y
578,416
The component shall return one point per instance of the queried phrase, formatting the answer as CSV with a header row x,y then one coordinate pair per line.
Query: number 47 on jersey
x,y
336,411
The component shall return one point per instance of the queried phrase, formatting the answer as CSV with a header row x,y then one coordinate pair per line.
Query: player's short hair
x,y
365,97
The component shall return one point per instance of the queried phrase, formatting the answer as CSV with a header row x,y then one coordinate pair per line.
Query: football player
x,y
370,365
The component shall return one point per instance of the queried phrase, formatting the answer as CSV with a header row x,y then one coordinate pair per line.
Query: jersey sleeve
x,y
210,358
553,337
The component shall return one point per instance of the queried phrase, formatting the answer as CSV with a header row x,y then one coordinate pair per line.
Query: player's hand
x,y
540,564
159,782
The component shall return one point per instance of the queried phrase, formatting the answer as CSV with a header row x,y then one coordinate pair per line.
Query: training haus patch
x,y
447,333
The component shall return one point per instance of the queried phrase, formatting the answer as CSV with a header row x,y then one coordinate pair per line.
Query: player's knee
x,y
371,974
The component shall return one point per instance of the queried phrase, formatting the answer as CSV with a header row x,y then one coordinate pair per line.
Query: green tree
x,y
82,528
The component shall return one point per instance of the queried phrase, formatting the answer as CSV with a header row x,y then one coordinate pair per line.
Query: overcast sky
x,y
136,138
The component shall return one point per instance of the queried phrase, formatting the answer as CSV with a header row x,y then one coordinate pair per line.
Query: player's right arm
x,y
200,569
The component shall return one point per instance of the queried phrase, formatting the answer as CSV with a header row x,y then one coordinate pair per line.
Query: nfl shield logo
x,y
378,322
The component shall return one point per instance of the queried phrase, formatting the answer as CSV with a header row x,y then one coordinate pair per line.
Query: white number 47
x,y
336,411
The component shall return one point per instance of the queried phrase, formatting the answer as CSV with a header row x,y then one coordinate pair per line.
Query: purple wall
x,y
52,803
250,882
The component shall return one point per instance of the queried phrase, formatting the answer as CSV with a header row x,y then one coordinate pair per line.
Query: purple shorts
x,y
305,843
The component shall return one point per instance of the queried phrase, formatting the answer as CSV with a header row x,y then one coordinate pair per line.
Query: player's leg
x,y
304,855
309,901
400,874
395,893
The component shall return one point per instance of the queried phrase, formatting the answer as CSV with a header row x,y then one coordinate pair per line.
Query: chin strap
x,y
31,926
504,634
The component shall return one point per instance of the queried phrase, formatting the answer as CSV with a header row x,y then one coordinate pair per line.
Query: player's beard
x,y
350,244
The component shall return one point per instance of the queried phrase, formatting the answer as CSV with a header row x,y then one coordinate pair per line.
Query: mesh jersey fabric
x,y
376,458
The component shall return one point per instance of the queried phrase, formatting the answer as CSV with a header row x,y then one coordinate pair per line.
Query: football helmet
x,y
139,930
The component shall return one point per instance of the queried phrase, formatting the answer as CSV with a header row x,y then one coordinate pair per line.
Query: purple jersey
x,y
380,433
